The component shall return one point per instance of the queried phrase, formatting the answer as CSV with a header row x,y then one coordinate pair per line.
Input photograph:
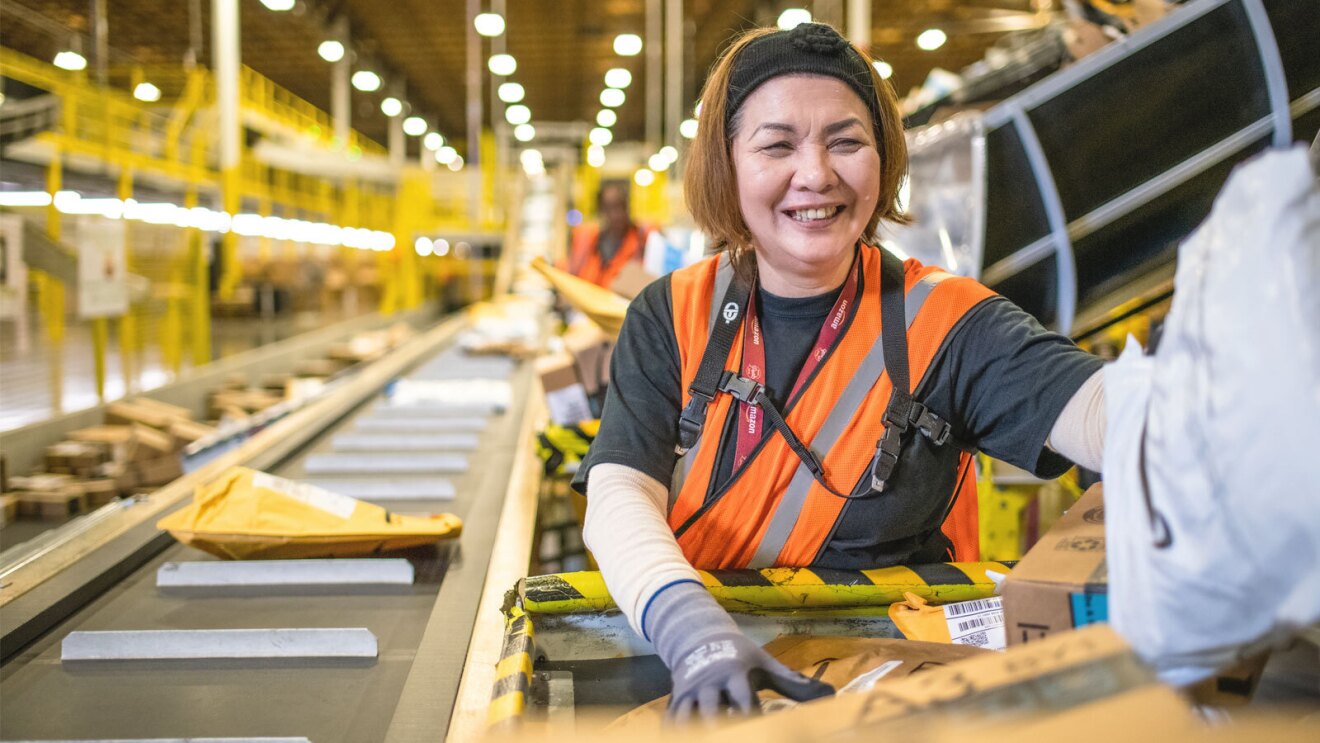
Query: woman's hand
x,y
724,672
713,665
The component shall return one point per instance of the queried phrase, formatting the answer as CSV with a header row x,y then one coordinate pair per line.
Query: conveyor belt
x,y
325,700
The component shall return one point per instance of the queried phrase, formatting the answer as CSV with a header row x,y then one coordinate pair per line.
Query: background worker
x,y
600,250
824,396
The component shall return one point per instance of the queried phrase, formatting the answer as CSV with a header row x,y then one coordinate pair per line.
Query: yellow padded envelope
x,y
249,515
604,307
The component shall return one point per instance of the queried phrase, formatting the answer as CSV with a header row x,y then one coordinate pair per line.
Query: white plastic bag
x,y
1212,489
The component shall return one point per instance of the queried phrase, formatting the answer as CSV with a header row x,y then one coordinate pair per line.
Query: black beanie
x,y
810,49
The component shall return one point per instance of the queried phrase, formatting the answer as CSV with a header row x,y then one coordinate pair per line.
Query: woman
x,y
824,396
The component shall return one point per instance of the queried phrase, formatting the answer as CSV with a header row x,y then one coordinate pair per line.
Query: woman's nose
x,y
814,170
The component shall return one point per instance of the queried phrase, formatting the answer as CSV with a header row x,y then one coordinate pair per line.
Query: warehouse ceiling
x,y
563,47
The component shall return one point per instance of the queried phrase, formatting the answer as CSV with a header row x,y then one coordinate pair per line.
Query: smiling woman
x,y
800,330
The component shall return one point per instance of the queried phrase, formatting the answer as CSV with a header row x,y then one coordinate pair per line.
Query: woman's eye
x,y
777,147
847,145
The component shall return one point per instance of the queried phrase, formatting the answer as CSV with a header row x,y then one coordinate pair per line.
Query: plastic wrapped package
x,y
946,196
1212,497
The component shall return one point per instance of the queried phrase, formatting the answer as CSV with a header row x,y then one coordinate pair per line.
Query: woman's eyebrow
x,y
839,126
775,126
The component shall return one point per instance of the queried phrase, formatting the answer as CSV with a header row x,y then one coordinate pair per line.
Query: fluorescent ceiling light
x,y
794,17
331,50
618,78
600,136
931,39
414,126
885,69
146,92
433,141
503,64
70,60
489,24
278,6
688,128
595,156
524,132
612,97
391,106
643,177
607,117
511,92
366,81
627,45
517,114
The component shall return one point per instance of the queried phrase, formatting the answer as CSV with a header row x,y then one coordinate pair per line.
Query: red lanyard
x,y
753,359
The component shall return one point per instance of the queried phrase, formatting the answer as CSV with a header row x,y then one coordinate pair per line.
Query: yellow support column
x,y
199,276
128,321
50,290
489,211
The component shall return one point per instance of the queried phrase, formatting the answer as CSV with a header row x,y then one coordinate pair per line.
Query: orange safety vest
x,y
773,513
584,262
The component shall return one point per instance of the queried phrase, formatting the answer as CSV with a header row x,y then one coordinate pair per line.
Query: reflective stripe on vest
x,y
729,533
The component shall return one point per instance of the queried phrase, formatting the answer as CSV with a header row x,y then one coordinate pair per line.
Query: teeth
x,y
806,215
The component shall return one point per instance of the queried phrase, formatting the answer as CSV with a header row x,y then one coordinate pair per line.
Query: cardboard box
x,y
1063,581
99,491
8,509
190,431
75,455
173,411
42,482
631,280
591,349
158,471
1071,677
69,501
151,442
132,412
565,395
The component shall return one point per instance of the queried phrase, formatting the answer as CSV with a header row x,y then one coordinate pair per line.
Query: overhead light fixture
x,y
511,92
595,156
618,77
279,6
433,141
423,246
627,45
885,69
931,39
517,114
669,153
643,177
445,155
391,107
524,132
688,128
456,165
612,97
607,117
70,60
366,81
600,136
489,24
502,64
659,163
440,247
146,92
331,50
794,17
414,126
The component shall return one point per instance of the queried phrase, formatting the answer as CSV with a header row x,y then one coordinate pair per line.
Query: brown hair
x,y
710,185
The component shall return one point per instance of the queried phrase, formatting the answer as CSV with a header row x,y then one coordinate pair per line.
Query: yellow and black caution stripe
x,y
559,446
783,589
513,674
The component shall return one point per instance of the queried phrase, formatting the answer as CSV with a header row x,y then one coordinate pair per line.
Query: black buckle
x,y
931,426
742,388
691,422
886,457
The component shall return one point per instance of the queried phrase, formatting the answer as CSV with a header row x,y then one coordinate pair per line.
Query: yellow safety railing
x,y
262,96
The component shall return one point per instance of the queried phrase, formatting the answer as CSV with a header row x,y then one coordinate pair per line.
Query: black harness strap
x,y
707,382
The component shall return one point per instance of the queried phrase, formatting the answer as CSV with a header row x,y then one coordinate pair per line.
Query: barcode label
x,y
977,606
990,620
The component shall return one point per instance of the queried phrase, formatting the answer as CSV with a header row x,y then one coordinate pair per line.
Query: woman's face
x,y
808,175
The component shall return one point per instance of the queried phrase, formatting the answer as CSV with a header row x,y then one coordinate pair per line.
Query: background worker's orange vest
x,y
584,260
728,531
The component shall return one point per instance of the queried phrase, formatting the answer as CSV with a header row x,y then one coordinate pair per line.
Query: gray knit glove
x,y
713,665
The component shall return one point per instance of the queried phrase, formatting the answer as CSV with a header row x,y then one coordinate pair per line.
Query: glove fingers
x,y
775,675
681,708
708,701
741,695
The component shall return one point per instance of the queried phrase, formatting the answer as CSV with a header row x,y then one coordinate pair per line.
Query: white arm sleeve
x,y
1079,433
627,532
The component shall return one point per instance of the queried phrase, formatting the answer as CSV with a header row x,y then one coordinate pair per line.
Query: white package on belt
x,y
1212,493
